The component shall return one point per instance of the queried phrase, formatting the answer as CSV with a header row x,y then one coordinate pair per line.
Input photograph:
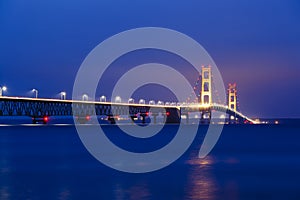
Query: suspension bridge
x,y
41,109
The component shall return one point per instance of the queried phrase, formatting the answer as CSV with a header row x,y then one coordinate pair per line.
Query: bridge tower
x,y
232,97
206,93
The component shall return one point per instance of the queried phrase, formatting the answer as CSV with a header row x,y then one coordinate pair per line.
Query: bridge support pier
x,y
143,119
205,120
187,118
132,117
111,119
154,117
83,119
234,120
172,116
144,115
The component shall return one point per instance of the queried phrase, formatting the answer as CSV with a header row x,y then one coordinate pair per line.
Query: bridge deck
x,y
39,107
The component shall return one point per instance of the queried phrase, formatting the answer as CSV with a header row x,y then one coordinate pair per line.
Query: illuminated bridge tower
x,y
232,97
206,94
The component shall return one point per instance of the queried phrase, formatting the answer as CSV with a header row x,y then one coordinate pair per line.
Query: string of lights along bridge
x,y
41,109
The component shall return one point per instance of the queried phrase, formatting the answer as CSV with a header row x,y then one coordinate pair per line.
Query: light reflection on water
x,y
201,183
4,194
135,192
64,194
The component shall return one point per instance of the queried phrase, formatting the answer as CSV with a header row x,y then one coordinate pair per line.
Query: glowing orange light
x,y
87,117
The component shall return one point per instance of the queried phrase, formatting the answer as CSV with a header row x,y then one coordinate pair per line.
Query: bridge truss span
x,y
41,108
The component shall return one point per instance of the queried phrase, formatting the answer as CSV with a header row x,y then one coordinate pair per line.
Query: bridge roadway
x,y
40,109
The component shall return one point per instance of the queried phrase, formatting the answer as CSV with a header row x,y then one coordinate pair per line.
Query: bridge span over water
x,y
40,109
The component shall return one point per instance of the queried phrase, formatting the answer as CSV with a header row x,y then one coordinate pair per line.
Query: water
x,y
248,162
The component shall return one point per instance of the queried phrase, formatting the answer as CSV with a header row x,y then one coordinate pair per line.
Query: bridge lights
x,y
85,97
152,102
103,99
2,89
131,101
36,92
142,101
118,99
161,103
63,95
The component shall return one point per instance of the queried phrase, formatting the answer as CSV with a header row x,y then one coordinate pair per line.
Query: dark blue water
x,y
248,162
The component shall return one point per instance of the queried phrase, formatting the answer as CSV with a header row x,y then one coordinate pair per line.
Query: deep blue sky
x,y
254,43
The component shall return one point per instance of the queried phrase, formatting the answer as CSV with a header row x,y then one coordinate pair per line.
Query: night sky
x,y
254,43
